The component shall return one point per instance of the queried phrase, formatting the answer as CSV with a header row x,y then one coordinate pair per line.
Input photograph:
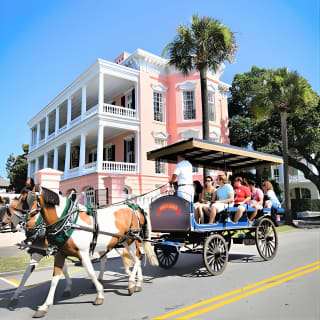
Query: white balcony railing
x,y
91,111
51,136
75,121
120,111
90,165
119,167
62,129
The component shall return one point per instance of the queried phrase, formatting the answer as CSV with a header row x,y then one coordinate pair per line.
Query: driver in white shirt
x,y
183,173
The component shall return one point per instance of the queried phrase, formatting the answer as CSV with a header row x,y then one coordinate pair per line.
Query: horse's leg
x,y
67,290
103,262
59,260
34,260
127,261
139,269
86,262
132,279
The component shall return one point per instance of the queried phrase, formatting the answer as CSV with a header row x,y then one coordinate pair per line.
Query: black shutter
x,y
113,153
124,150
123,101
133,104
105,154
90,158
132,148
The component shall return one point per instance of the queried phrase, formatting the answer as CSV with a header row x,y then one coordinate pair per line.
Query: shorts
x,y
220,206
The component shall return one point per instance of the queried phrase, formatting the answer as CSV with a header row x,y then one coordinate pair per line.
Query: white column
x,y
29,168
100,148
101,93
46,130
136,89
55,158
137,151
84,101
67,157
36,167
69,111
82,158
38,133
45,160
57,120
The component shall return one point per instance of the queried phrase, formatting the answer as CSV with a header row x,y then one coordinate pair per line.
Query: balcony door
x,y
129,149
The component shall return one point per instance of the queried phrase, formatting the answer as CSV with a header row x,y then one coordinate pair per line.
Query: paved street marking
x,y
241,290
10,282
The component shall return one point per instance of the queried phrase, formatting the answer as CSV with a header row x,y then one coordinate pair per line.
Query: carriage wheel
x,y
266,239
167,255
215,254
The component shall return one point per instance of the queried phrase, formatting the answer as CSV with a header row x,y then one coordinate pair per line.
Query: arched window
x,y
302,193
126,192
90,196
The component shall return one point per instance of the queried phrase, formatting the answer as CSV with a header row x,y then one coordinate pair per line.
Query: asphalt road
x,y
287,287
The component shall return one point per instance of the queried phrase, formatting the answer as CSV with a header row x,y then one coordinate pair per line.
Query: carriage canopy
x,y
213,155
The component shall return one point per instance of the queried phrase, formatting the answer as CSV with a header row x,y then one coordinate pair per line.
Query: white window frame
x,y
94,155
211,106
34,136
90,196
185,92
160,168
161,106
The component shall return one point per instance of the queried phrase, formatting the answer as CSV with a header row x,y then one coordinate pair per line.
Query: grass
x,y
20,262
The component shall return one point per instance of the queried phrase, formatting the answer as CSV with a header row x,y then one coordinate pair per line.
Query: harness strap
x,y
95,232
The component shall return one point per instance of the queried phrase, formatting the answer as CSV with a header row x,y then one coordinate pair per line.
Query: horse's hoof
x,y
131,290
12,304
98,301
39,314
138,289
66,293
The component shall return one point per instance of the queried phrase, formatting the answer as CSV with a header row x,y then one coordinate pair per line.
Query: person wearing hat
x,y
257,199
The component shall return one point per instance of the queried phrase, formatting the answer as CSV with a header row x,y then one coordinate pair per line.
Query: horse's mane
x,y
50,197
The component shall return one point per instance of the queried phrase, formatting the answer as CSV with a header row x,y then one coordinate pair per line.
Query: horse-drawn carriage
x,y
173,217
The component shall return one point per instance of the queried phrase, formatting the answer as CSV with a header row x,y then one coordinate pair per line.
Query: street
x,y
287,287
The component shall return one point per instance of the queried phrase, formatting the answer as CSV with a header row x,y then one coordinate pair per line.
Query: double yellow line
x,y
264,285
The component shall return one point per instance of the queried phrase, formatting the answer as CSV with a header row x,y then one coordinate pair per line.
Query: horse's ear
x,y
50,197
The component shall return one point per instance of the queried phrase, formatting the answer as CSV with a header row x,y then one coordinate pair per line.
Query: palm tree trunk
x,y
205,111
288,214
204,101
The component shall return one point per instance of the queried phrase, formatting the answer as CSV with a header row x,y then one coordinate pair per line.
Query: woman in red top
x,y
243,196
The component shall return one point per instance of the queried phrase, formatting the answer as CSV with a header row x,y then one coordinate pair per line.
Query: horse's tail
x,y
146,244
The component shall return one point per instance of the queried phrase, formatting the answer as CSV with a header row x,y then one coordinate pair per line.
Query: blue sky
x,y
45,45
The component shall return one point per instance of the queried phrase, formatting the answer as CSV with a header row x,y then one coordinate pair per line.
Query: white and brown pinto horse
x,y
117,220
13,218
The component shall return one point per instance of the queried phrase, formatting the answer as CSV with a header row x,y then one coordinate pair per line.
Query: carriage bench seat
x,y
235,209
278,211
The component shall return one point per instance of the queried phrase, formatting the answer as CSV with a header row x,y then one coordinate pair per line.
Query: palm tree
x,y
202,46
281,91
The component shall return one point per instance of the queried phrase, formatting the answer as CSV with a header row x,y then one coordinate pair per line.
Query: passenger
x,y
205,199
243,197
272,200
222,198
196,203
257,199
183,173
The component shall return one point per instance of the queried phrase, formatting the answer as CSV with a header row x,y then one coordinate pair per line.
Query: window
x,y
195,169
126,192
160,167
129,149
90,198
189,111
109,153
276,173
42,129
158,106
302,193
34,136
92,157
211,106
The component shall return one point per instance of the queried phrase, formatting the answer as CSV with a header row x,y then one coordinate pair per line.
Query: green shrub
x,y
300,205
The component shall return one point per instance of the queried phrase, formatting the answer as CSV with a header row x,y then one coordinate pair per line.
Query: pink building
x,y
99,129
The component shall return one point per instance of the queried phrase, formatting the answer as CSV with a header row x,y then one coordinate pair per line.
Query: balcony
x,y
119,167
119,112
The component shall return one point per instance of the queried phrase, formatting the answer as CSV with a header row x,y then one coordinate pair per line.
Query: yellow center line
x,y
268,286
225,295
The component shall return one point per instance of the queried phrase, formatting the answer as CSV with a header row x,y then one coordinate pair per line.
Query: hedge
x,y
300,205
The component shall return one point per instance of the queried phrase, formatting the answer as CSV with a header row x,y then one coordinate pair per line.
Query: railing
x,y
119,167
90,165
91,111
120,111
75,121
51,136
62,129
